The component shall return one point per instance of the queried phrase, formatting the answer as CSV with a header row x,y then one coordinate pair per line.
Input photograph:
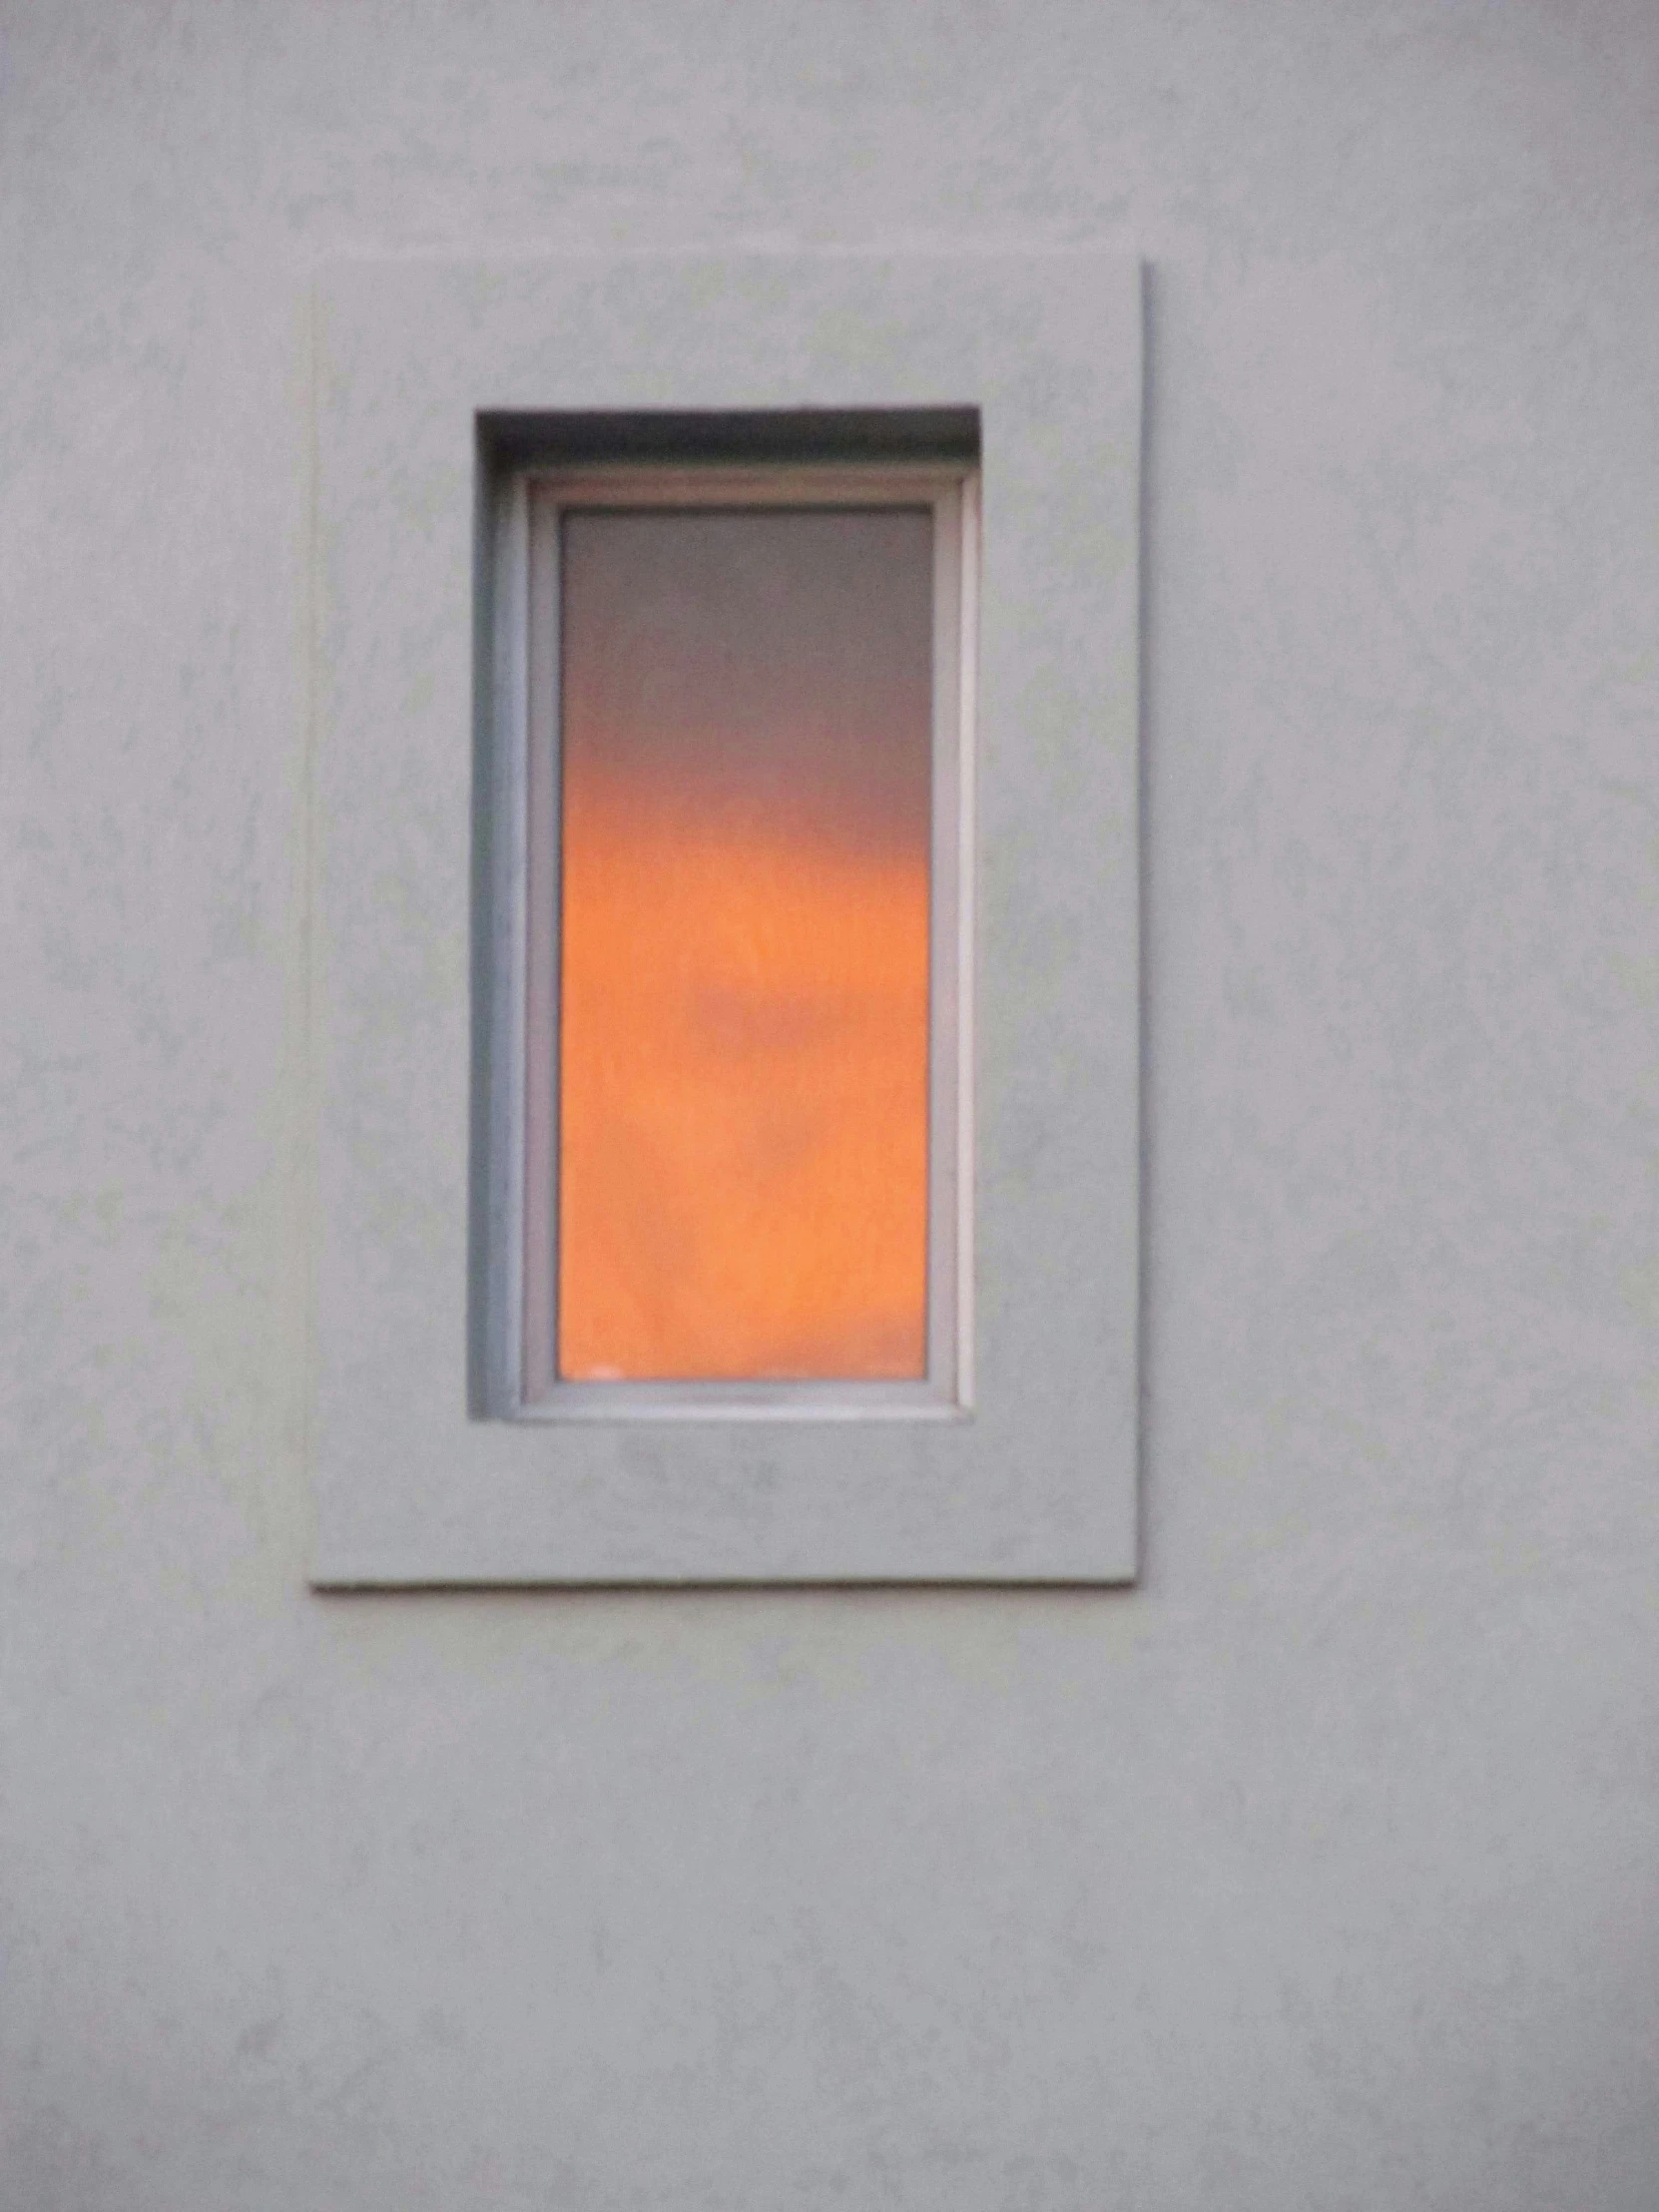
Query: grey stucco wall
x,y
1319,1872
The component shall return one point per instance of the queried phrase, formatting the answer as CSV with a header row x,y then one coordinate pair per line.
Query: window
x,y
731,1125
651,1242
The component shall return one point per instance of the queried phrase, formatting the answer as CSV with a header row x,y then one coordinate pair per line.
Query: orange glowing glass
x,y
746,730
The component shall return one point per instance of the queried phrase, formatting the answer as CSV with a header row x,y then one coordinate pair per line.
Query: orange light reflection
x,y
743,1184
743,1087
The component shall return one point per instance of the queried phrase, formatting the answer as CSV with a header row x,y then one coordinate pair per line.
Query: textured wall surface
x,y
1322,1870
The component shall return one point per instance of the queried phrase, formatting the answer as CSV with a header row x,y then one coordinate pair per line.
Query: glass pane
x,y
744,949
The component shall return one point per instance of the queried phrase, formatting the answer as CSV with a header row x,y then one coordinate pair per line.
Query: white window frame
x,y
521,1320
421,370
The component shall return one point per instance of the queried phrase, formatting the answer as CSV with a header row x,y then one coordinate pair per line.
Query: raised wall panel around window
x,y
706,1455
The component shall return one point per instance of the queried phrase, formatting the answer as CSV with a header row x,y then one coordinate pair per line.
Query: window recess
x,y
731,1110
